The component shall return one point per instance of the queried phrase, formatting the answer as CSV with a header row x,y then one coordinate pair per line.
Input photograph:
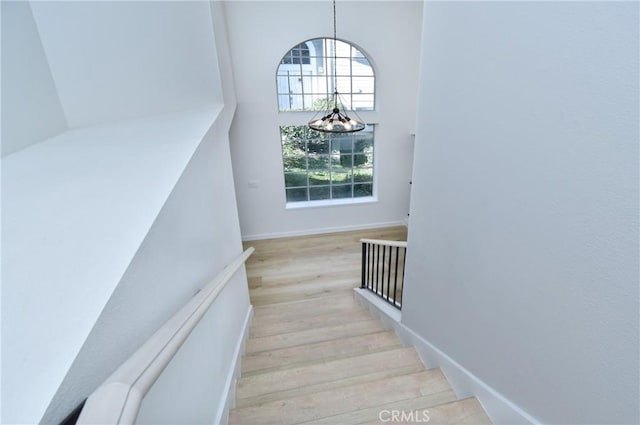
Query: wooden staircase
x,y
315,356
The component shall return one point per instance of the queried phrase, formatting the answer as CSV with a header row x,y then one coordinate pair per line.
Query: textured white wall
x,y
523,242
260,33
31,110
119,60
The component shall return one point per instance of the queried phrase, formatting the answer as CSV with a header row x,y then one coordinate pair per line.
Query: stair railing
x,y
118,399
383,269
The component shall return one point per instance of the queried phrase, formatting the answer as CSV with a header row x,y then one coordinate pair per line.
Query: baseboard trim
x,y
464,383
228,400
307,232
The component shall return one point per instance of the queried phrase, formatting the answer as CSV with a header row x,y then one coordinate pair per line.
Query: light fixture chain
x,y
333,120
335,56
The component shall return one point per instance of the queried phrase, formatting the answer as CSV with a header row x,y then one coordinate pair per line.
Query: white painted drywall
x,y
523,244
192,387
223,51
195,235
98,218
31,110
117,60
76,209
260,33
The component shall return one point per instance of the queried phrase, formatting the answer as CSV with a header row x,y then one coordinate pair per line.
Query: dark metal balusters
x,y
380,273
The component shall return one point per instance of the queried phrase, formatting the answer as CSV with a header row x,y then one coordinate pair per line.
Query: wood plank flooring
x,y
315,356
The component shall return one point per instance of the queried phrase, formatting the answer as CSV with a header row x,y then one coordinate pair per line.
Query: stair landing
x,y
315,356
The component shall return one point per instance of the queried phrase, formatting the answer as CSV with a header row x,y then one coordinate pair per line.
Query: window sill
x,y
331,203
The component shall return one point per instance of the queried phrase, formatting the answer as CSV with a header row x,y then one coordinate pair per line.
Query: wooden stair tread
x,y
266,328
333,402
300,308
468,411
329,385
272,342
291,356
327,372
372,414
315,287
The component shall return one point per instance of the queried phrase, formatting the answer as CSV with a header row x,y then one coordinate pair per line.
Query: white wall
x,y
31,109
117,60
75,210
192,389
223,51
99,218
195,235
523,242
260,33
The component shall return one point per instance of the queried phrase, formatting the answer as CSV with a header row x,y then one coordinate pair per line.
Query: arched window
x,y
324,167
306,75
297,55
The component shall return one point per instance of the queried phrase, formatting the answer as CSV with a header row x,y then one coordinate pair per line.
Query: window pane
x,y
318,146
295,179
293,132
283,101
346,161
363,156
294,82
363,175
363,85
325,166
294,163
342,48
319,193
363,101
361,67
318,162
296,102
363,143
283,83
343,66
296,195
360,190
341,191
319,177
292,146
306,75
344,87
318,85
342,143
340,177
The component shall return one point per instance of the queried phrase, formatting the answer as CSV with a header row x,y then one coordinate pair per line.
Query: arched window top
x,y
298,55
306,76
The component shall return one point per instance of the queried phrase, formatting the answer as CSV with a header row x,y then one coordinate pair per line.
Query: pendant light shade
x,y
334,117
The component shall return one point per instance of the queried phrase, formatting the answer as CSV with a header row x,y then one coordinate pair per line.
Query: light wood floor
x,y
315,356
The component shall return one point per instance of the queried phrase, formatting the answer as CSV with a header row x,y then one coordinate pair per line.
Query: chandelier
x,y
334,117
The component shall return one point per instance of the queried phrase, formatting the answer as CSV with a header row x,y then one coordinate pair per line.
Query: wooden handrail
x,y
400,244
118,399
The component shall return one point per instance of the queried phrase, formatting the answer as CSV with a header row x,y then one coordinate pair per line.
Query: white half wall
x,y
31,110
193,238
522,265
76,209
97,218
119,60
260,34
